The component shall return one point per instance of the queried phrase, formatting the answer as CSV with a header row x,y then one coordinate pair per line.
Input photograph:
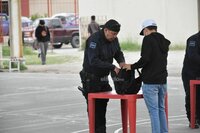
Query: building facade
x,y
43,7
176,19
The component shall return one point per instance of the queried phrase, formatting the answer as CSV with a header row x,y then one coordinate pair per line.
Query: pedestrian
x,y
101,48
43,38
191,71
93,26
153,62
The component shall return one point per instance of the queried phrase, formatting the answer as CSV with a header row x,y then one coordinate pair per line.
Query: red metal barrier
x,y
193,84
128,109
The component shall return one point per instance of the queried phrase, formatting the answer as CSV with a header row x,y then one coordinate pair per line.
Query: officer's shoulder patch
x,y
92,45
192,43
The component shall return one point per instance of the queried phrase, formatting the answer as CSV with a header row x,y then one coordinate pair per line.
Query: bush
x,y
177,47
130,46
35,16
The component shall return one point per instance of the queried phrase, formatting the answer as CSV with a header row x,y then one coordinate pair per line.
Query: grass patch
x,y
130,46
50,59
6,50
32,58
177,47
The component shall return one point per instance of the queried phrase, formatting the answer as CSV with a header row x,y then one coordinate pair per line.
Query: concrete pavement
x,y
45,99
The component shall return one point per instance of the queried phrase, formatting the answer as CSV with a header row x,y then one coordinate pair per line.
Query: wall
x,y
58,6
176,19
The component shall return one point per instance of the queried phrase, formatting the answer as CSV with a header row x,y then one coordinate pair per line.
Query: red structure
x,y
128,109
193,84
25,8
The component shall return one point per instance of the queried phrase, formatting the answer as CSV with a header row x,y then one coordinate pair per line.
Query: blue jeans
x,y
154,96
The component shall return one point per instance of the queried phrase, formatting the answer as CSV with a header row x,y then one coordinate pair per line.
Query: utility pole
x,y
16,47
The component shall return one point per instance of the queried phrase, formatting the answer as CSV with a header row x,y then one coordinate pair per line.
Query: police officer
x,y
101,48
191,71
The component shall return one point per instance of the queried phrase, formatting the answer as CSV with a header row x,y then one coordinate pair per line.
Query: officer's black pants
x,y
186,83
98,85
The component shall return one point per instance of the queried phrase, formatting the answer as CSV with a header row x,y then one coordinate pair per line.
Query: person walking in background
x,y
93,26
43,38
153,62
101,48
191,71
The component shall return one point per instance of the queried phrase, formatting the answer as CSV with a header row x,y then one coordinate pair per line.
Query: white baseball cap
x,y
147,23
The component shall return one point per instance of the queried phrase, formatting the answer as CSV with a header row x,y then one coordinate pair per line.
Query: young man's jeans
x,y
154,96
43,47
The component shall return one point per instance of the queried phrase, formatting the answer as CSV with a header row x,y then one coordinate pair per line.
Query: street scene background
x,y
45,99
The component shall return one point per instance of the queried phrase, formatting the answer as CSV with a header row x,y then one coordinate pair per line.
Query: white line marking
x,y
43,108
139,122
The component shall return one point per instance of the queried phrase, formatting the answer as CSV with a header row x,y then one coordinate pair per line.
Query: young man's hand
x,y
116,70
127,66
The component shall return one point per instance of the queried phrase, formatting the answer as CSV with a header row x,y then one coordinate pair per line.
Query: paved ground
x,y
45,99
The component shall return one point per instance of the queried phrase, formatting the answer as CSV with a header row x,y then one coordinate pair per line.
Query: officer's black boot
x,y
100,130
198,122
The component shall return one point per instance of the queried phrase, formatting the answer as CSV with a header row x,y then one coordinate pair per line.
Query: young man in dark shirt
x,y
93,26
43,38
153,62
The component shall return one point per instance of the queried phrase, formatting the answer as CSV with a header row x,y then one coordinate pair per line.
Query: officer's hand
x,y
116,70
121,64
127,66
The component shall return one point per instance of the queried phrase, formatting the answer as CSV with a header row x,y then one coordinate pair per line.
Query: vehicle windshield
x,y
55,23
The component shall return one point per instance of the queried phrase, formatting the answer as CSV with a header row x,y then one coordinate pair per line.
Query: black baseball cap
x,y
42,22
112,25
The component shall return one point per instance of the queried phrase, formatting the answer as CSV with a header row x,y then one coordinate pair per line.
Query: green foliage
x,y
27,50
35,16
14,65
83,43
51,59
130,46
177,47
6,50
31,58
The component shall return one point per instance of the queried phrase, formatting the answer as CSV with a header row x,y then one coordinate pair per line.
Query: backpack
x,y
125,82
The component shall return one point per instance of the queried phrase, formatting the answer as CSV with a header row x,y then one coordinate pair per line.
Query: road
x,y
49,102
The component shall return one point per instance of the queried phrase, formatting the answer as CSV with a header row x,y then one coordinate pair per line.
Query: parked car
x,y
26,22
69,20
58,33
4,23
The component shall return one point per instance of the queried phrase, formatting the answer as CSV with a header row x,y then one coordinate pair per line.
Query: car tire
x,y
75,41
58,46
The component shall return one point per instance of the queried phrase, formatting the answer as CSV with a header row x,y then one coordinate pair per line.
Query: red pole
x,y
49,8
75,9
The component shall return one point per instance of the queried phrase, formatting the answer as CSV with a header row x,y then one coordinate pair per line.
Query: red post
x,y
91,111
75,9
49,8
193,84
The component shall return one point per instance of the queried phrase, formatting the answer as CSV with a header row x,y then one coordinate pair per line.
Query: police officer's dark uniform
x,y
191,70
98,59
